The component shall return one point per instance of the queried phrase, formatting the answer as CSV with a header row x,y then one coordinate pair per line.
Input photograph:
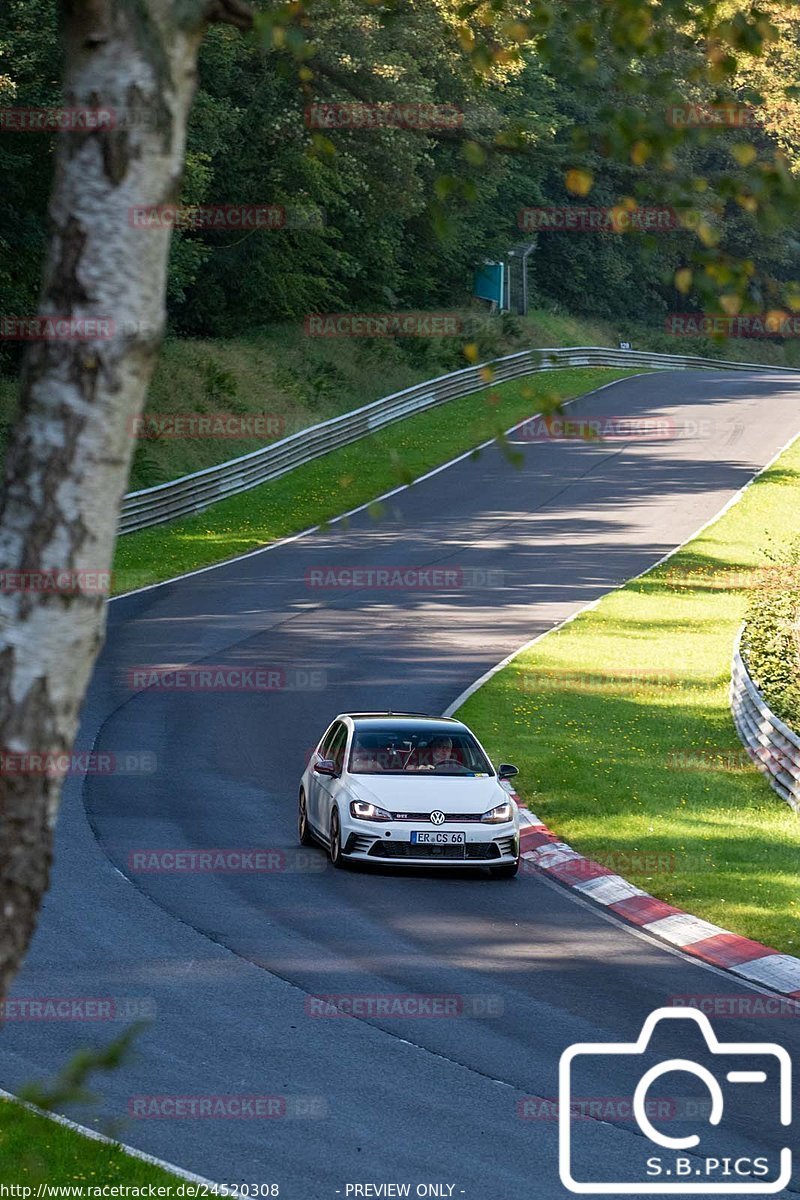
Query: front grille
x,y
467,852
450,818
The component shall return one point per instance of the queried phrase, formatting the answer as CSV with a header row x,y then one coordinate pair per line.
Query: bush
x,y
771,640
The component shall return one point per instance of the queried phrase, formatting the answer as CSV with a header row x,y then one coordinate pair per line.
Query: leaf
x,y
744,153
683,280
578,181
474,154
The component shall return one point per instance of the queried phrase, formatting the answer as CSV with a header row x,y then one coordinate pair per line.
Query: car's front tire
x,y
335,848
505,870
304,834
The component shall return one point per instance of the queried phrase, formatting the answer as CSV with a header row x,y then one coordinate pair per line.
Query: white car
x,y
410,790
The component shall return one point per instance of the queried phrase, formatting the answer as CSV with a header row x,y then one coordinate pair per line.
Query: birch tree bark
x,y
69,456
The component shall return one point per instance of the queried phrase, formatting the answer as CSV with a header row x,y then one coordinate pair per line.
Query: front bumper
x,y
484,845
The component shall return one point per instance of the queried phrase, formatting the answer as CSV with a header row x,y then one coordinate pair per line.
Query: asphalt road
x,y
229,962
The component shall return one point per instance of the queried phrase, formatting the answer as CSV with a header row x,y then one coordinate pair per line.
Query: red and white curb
x,y
759,964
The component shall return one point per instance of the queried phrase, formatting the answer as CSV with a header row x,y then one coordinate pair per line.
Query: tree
x,y
69,455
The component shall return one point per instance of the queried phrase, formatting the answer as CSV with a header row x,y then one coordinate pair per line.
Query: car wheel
x,y
304,834
506,871
337,858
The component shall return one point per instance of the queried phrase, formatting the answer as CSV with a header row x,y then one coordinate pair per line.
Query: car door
x,y
328,788
315,781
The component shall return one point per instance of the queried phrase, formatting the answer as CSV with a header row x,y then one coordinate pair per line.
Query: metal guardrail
x,y
773,746
193,493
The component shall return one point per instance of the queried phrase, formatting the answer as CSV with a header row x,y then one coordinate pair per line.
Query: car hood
x,y
415,794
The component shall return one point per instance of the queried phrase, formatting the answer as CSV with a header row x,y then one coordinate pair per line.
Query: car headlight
x,y
500,815
368,812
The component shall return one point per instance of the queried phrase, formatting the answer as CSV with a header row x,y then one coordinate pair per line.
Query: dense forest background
x,y
397,219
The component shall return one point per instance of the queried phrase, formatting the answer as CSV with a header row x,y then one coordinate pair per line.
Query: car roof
x,y
402,720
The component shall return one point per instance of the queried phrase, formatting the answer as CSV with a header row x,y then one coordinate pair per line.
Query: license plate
x,y
434,837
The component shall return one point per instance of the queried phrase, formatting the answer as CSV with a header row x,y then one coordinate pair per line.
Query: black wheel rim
x,y
334,837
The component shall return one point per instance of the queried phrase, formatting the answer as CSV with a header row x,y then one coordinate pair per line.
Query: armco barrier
x,y
193,493
773,746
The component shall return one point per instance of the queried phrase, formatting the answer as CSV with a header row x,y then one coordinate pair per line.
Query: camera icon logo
x,y
687,1163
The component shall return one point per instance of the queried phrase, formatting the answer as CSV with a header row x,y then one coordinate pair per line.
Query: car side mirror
x,y
325,766
507,771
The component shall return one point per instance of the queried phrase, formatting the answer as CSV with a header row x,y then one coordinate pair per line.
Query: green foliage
x,y
314,384
36,1150
220,387
30,67
771,641
561,103
71,1085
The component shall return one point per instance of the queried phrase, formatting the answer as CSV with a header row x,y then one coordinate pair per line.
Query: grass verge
x,y
620,725
299,380
343,479
34,1150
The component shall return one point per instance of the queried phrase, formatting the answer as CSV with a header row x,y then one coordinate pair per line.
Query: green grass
x,y
343,479
301,380
620,725
34,1149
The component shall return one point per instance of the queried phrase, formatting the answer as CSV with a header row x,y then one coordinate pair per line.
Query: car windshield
x,y
394,750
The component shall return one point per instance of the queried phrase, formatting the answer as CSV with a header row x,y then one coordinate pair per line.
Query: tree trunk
x,y
69,457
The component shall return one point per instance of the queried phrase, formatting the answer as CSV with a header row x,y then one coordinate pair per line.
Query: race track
x,y
229,960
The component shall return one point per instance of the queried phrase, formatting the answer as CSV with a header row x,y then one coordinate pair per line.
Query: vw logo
x,y
437,818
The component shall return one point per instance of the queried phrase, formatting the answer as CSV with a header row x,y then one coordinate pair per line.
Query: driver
x,y
440,751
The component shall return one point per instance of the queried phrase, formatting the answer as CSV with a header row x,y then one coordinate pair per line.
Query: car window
x,y
403,750
336,751
327,741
